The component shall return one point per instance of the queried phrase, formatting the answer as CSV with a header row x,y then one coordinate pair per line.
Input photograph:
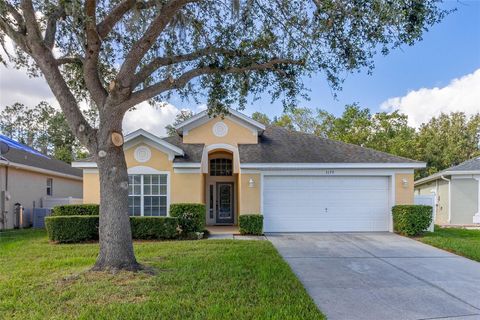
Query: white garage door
x,y
324,203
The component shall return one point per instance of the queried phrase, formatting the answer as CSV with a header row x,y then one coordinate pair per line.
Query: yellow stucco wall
x,y
404,195
236,134
249,198
91,188
184,187
187,187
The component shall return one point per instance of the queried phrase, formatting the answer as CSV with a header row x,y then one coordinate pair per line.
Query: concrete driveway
x,y
381,276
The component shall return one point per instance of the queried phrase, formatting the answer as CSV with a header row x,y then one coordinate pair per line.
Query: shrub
x,y
72,228
251,224
76,210
411,220
154,227
191,216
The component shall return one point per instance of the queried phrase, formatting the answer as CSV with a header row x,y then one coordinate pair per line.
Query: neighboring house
x,y
299,182
29,177
457,191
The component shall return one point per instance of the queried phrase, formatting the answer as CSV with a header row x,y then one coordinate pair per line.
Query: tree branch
x,y
180,82
92,52
33,31
140,47
114,16
159,62
51,29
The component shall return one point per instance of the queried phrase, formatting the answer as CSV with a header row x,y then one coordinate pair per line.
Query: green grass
x,y
221,279
460,241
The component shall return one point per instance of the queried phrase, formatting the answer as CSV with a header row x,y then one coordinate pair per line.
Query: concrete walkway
x,y
382,276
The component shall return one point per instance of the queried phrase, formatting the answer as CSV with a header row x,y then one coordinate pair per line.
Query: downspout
x,y
449,198
4,210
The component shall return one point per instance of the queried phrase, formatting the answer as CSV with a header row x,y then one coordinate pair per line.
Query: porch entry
x,y
220,189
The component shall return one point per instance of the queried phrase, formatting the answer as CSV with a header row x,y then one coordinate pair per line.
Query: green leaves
x,y
411,220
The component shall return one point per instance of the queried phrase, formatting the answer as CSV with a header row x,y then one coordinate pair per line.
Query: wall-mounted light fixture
x,y
404,183
251,183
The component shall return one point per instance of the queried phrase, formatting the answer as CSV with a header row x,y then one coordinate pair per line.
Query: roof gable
x,y
203,117
141,135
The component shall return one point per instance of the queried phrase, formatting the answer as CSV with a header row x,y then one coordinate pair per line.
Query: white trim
x,y
84,164
392,199
286,165
90,171
187,165
140,132
39,170
336,172
445,173
145,170
187,170
212,147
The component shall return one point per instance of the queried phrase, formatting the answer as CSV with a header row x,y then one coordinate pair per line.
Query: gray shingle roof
x,y
193,152
30,159
279,145
469,165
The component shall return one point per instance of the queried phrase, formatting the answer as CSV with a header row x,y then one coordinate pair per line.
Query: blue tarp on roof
x,y
17,145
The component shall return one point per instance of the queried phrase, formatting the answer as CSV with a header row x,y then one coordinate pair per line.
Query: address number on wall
x,y
329,171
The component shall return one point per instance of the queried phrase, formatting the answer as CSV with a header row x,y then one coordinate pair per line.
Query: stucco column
x,y
476,217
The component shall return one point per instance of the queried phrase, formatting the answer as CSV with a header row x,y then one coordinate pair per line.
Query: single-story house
x,y
28,177
457,193
236,165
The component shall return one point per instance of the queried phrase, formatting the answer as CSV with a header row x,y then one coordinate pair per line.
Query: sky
x,y
441,73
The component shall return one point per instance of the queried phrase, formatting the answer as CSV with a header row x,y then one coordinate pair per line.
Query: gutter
x,y
449,198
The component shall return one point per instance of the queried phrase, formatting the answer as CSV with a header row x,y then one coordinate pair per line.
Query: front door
x,y
224,203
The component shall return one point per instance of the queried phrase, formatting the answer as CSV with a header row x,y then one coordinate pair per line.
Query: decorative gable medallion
x,y
220,129
142,154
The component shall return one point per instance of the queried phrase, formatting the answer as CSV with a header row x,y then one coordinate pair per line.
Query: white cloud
x,y
461,94
150,118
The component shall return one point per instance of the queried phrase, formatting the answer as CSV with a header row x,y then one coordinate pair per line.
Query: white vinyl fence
x,y
49,203
428,200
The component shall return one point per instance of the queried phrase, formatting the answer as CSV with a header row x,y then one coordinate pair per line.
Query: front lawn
x,y
460,241
221,279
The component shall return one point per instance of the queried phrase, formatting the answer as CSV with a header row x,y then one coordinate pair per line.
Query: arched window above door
x,y
221,167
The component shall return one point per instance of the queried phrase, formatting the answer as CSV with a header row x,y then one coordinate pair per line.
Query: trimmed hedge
x,y
71,229
411,220
145,228
76,210
251,224
191,216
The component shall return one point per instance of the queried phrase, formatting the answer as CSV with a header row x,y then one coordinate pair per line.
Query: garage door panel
x,y
309,204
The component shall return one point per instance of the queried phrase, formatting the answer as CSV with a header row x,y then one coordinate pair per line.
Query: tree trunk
x,y
116,247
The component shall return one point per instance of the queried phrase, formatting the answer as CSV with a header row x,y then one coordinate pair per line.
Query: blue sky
x,y
449,50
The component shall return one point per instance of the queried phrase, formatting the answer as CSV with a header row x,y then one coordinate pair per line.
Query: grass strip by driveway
x,y
221,279
459,241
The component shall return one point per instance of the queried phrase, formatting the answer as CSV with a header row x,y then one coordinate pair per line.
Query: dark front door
x,y
224,203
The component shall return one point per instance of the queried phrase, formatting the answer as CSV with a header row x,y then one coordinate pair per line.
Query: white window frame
x,y
143,170
49,187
